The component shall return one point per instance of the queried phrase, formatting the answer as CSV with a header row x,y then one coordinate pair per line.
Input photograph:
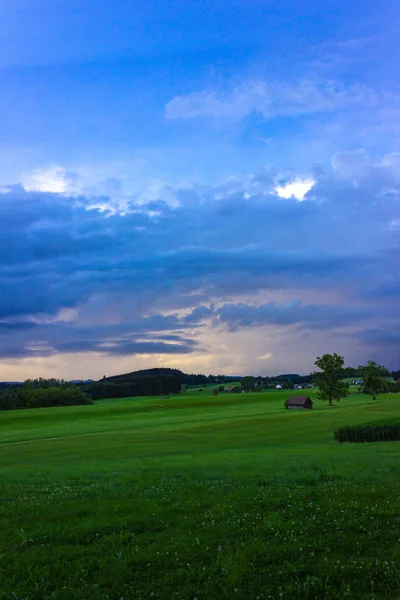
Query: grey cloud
x,y
199,314
382,337
127,347
218,244
12,327
144,336
388,290
237,316
157,256
382,343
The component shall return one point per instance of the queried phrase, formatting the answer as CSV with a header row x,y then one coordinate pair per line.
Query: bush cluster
x,y
237,389
379,431
28,396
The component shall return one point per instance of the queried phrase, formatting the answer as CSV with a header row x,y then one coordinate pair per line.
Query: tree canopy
x,y
373,378
329,378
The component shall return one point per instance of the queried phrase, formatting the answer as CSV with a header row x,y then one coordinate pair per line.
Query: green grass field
x,y
198,497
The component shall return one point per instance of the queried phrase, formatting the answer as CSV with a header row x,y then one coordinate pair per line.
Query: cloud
x,y
237,316
143,336
297,188
357,167
65,253
52,179
382,337
207,262
13,327
128,348
266,356
270,99
380,343
199,314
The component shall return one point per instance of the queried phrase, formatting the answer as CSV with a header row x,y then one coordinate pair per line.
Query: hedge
x,y
378,431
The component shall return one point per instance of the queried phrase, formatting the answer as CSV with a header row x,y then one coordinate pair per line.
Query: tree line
x,y
42,393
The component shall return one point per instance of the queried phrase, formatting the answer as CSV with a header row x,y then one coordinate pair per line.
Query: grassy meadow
x,y
198,497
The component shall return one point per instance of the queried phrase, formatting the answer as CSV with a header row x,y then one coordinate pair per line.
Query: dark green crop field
x,y
198,497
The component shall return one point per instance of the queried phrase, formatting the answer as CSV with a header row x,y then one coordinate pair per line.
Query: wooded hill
x,y
149,382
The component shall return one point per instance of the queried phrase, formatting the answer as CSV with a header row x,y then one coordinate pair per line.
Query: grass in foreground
x,y
198,497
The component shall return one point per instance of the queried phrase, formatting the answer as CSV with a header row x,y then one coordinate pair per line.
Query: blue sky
x,y
205,185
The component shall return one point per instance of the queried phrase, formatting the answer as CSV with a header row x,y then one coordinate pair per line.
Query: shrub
x,y
392,387
237,389
378,431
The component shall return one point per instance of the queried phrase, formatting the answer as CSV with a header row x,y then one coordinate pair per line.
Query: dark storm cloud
x,y
237,316
199,314
127,347
145,336
60,252
382,337
51,265
382,343
12,327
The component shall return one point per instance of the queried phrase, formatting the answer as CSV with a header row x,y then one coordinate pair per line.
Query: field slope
x,y
198,497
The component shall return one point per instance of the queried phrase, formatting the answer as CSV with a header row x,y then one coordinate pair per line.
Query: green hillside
x,y
198,497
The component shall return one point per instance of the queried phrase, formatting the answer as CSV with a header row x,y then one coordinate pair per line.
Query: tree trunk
x,y
330,402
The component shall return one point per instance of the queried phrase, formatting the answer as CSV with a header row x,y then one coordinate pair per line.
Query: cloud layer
x,y
154,278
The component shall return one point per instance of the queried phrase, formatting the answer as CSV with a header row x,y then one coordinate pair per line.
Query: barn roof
x,y
299,400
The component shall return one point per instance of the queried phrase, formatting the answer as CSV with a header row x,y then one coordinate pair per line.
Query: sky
x,y
207,185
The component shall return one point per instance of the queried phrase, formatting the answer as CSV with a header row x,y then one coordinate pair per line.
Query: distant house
x,y
278,387
298,387
228,388
299,402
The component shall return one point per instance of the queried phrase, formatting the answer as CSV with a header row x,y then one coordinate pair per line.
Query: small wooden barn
x,y
299,402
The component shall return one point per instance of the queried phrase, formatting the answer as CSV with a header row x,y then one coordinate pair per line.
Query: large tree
x,y
373,378
329,378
